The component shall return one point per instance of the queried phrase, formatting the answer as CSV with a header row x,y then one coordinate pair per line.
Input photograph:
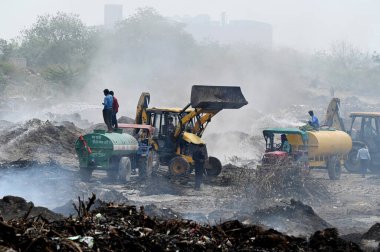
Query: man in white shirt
x,y
364,158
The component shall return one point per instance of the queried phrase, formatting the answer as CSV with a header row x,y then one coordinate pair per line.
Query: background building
x,y
113,13
229,31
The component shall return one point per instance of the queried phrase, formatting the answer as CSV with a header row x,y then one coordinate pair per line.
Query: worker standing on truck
x,y
199,160
314,122
115,109
285,146
364,158
107,110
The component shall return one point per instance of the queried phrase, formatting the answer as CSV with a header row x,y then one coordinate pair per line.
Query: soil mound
x,y
40,141
12,207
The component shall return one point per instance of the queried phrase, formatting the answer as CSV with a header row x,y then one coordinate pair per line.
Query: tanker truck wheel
x,y
213,167
85,173
333,167
124,171
178,166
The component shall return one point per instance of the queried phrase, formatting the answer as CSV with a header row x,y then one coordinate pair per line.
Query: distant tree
x,y
58,39
149,38
7,49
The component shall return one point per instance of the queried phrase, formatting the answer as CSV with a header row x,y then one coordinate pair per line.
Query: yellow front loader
x,y
179,130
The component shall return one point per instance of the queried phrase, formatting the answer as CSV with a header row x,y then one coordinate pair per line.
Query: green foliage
x,y
6,68
347,68
7,49
61,74
58,39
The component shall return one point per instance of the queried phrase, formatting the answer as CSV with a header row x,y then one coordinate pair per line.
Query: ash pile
x,y
112,227
38,141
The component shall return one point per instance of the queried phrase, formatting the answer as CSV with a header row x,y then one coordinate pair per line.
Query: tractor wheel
x,y
85,173
352,165
178,166
333,167
213,167
124,171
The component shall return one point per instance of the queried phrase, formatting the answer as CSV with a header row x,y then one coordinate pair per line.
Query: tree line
x,y
148,48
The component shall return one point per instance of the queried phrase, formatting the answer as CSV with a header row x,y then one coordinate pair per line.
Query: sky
x,y
306,25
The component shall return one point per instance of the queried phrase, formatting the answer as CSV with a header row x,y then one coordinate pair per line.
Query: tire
x,y
213,167
113,168
85,173
124,171
178,166
351,164
334,168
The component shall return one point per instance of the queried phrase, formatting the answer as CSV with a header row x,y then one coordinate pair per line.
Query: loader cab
x,y
161,118
365,128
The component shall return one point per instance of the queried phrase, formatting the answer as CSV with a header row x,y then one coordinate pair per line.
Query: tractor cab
x,y
365,129
274,150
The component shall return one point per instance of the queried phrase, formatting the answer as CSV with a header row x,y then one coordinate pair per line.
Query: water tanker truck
x,y
116,153
327,149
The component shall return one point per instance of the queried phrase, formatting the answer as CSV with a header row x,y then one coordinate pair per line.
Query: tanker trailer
x,y
116,153
327,148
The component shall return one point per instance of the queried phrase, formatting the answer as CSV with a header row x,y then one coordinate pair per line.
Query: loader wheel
x,y
352,165
124,171
333,167
178,166
213,167
85,173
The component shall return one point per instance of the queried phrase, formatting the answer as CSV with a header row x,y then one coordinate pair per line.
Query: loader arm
x,y
202,122
333,117
142,105
203,117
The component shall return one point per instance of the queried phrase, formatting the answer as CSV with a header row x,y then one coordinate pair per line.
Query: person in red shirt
x,y
115,109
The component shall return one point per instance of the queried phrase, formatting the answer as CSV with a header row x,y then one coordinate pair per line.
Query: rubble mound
x,y
125,228
40,141
373,233
12,207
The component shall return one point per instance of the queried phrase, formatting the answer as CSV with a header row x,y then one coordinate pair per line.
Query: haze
x,y
305,25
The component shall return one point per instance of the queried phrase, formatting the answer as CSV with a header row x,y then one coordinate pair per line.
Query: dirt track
x,y
356,201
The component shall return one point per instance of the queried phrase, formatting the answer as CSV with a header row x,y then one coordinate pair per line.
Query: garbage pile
x,y
39,141
112,227
285,180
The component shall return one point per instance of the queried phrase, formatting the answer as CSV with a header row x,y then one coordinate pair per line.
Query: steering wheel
x,y
277,146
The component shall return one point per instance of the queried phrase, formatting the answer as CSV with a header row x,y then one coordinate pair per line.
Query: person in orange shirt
x,y
115,109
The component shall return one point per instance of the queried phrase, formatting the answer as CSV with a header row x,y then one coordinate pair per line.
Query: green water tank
x,y
96,149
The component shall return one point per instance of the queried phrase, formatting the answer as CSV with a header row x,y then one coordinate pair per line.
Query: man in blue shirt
x,y
107,110
314,122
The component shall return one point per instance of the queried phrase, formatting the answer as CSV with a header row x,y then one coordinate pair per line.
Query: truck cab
x,y
273,151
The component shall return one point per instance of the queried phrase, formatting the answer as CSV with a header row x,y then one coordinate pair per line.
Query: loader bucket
x,y
217,97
